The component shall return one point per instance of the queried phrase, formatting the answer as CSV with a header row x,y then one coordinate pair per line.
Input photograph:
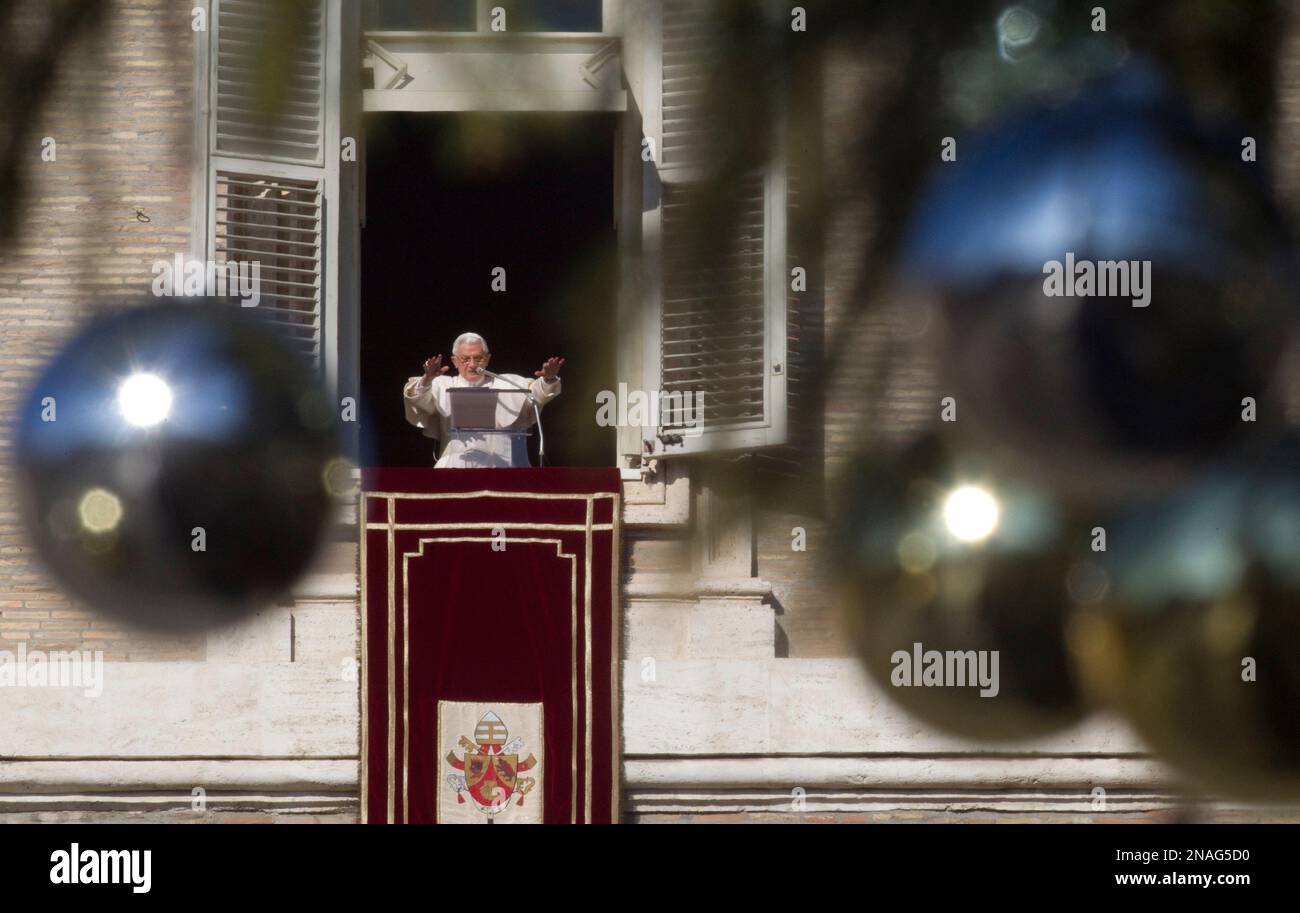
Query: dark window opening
x,y
462,15
450,197
551,15
416,16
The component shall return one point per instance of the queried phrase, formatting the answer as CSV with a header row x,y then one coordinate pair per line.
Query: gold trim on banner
x,y
566,527
392,674
586,618
616,661
484,493
406,609
363,686
614,527
406,696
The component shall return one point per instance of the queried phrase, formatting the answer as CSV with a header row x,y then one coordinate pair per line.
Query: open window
x,y
490,153
282,190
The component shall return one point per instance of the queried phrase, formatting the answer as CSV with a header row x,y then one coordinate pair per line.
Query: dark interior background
x,y
449,197
462,15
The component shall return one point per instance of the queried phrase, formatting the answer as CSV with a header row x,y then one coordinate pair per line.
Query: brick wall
x,y
121,116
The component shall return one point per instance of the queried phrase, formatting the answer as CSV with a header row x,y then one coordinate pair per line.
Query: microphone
x,y
506,380
537,412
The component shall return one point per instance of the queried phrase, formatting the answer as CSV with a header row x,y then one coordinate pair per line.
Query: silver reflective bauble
x,y
174,465
942,555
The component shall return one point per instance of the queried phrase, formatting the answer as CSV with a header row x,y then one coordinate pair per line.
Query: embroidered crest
x,y
488,771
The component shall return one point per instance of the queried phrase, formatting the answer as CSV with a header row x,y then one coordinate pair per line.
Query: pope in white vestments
x,y
428,405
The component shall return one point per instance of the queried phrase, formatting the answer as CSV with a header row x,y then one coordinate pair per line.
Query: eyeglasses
x,y
476,359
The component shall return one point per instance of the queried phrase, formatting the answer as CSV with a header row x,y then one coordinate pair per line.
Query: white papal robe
x,y
429,409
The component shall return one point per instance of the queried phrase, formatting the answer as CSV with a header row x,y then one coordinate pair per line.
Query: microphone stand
x,y
537,412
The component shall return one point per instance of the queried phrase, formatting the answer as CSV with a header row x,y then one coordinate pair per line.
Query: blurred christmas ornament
x,y
959,583
1119,288
176,465
1198,639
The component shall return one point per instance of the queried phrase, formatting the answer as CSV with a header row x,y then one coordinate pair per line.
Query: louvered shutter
x,y
269,98
276,222
684,126
268,181
797,467
723,315
713,324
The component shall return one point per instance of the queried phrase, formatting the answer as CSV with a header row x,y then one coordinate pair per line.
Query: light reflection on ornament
x,y
928,557
145,399
971,513
99,511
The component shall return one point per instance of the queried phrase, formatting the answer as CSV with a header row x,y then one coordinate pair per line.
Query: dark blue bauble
x,y
1201,583
1085,385
176,465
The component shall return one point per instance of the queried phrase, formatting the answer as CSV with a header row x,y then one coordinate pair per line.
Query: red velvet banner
x,y
490,645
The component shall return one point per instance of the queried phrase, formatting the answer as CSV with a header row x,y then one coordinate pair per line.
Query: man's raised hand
x,y
551,369
433,367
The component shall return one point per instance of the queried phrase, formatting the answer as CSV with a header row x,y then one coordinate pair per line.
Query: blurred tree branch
x,y
28,72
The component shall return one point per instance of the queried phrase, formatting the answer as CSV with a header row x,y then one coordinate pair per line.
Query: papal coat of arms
x,y
487,772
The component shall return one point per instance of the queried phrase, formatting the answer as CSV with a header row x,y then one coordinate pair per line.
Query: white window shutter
x,y
268,98
275,221
683,125
270,178
722,321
